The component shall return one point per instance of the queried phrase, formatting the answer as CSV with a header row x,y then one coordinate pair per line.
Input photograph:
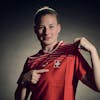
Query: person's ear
x,y
59,28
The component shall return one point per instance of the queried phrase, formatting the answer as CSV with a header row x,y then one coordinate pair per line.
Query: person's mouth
x,y
47,38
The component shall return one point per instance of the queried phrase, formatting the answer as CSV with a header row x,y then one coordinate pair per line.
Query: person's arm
x,y
95,80
21,93
33,76
96,66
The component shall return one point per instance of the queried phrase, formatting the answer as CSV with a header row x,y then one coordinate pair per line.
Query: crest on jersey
x,y
57,63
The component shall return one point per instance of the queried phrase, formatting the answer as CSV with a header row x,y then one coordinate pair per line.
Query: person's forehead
x,y
48,19
50,15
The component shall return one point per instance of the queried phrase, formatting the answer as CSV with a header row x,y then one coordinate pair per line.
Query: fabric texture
x,y
66,66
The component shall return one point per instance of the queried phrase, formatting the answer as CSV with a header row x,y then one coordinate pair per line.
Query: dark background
x,y
18,41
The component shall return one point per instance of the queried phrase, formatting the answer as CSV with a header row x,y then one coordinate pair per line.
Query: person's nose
x,y
46,31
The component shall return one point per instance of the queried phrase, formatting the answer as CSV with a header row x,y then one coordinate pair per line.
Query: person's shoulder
x,y
71,48
34,56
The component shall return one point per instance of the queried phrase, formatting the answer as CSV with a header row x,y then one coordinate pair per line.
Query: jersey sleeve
x,y
85,72
83,68
25,68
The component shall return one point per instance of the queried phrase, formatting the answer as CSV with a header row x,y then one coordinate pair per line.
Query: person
x,y
53,73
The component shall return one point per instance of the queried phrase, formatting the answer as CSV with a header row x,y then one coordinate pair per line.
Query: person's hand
x,y
84,44
33,76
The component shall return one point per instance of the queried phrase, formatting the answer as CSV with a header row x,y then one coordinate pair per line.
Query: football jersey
x,y
66,66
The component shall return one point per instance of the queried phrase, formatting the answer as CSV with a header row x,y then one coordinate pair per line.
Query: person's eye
x,y
40,27
52,26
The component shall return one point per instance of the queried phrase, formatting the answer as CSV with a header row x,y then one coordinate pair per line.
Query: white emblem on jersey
x,y
57,63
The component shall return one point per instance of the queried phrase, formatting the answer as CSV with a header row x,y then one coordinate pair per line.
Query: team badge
x,y
57,63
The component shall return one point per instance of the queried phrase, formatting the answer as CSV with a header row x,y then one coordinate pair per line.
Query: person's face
x,y
48,29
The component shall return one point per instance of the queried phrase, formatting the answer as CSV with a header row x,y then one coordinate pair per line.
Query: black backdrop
x,y
17,39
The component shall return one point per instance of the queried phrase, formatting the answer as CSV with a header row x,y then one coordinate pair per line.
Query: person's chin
x,y
47,42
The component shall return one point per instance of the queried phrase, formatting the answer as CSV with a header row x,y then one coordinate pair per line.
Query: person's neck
x,y
49,48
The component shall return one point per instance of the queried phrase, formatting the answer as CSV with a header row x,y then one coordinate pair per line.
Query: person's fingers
x,y
36,77
34,81
82,43
41,71
36,74
77,42
77,39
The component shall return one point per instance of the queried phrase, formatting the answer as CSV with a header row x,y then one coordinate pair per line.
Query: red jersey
x,y
66,66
